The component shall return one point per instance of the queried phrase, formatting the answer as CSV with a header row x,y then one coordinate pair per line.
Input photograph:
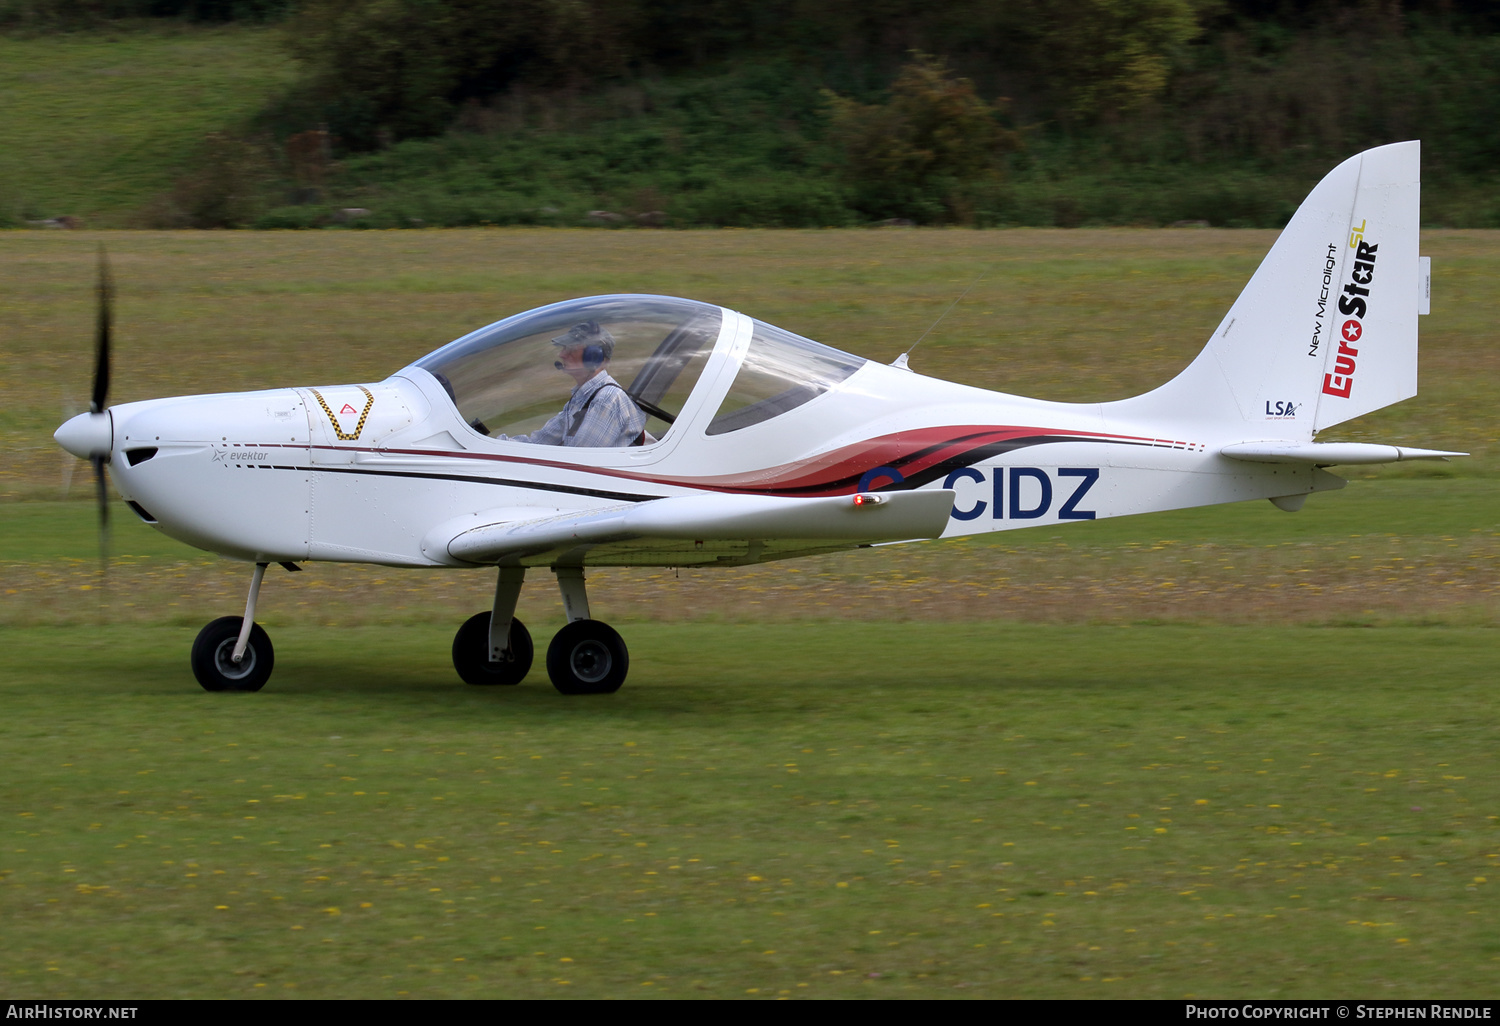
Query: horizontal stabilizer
x,y
1329,454
886,516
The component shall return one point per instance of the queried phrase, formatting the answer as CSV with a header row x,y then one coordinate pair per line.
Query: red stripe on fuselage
x,y
831,473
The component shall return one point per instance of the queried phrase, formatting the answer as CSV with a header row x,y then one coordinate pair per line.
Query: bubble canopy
x,y
504,380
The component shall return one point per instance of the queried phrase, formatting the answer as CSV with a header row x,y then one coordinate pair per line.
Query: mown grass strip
x,y
828,810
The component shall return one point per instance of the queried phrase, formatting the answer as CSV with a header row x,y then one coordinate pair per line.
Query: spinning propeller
x,y
90,435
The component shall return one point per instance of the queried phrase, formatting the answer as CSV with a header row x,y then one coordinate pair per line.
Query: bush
x,y
914,156
786,201
224,189
1107,57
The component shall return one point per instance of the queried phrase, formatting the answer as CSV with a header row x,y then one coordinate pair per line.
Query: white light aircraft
x,y
757,444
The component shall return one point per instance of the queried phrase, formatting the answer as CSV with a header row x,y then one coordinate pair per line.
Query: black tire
x,y
587,658
471,653
215,644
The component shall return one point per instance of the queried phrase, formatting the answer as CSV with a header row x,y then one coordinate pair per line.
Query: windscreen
x,y
505,378
780,372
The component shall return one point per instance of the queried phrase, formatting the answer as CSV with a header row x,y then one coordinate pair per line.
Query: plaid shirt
x,y
599,413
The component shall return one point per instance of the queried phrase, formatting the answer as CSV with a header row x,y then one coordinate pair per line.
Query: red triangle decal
x,y
347,409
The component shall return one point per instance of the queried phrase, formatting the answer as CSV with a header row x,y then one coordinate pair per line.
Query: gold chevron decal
x,y
339,432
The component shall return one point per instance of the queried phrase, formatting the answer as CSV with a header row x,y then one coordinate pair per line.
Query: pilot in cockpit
x,y
599,412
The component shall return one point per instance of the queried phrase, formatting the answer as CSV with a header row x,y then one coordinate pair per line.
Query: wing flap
x,y
838,520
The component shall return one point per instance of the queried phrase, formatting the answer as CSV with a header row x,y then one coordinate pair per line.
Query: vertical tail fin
x,y
1326,330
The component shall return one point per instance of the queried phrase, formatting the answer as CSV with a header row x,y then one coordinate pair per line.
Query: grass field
x,y
97,123
797,809
1221,752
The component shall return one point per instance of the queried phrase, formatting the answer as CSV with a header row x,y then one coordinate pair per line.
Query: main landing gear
x,y
586,657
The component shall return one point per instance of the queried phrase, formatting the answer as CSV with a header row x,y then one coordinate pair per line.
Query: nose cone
x,y
88,435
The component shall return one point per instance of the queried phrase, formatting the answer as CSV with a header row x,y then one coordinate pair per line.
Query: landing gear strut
x,y
495,647
233,653
586,657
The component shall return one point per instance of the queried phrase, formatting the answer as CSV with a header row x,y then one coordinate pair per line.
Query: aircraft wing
x,y
693,530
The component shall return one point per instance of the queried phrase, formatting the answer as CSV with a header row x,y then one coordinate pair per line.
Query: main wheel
x,y
587,658
214,647
471,653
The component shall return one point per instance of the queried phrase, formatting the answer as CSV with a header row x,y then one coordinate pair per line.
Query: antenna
x,y
900,361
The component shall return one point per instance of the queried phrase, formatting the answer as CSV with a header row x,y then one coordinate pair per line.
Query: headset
x,y
593,358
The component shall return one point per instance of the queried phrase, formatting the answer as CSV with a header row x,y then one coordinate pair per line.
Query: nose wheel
x,y
213,657
587,657
234,653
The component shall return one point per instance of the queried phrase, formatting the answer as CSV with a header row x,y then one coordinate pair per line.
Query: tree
x,y
1108,56
402,67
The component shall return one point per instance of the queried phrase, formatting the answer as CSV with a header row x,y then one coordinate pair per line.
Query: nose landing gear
x,y
213,657
234,653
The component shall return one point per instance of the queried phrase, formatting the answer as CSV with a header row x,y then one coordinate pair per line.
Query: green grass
x,y
97,123
819,810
